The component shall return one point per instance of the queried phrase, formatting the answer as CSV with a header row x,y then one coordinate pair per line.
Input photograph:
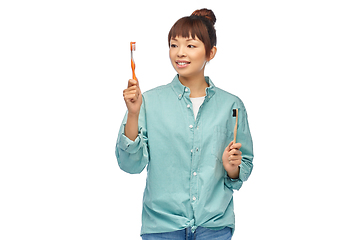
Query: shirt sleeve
x,y
132,156
233,184
243,137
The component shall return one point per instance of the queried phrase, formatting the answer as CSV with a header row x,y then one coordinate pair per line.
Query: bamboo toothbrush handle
x,y
236,123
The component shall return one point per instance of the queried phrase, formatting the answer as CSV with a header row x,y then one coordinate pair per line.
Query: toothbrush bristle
x,y
132,46
234,112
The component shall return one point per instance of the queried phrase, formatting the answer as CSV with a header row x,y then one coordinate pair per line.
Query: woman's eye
x,y
173,46
191,46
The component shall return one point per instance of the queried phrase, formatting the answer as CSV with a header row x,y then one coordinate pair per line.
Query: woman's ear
x,y
212,53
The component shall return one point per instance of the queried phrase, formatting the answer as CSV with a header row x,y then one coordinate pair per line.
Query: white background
x,y
64,65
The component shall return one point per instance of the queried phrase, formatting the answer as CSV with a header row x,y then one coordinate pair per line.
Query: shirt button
x,y
194,173
188,105
191,126
191,150
186,90
179,95
194,198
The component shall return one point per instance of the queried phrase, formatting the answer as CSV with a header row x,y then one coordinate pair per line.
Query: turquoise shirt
x,y
186,185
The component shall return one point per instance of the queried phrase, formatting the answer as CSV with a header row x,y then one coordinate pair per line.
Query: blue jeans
x,y
186,234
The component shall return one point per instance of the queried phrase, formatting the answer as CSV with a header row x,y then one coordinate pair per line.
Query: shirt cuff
x,y
244,173
233,184
128,145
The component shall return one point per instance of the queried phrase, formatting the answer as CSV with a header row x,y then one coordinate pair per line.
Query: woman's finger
x,y
235,152
236,146
235,157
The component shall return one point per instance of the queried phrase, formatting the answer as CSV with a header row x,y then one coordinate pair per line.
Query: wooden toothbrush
x,y
235,114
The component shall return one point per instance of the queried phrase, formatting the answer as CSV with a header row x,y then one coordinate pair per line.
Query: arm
x,y
237,158
131,127
131,146
132,155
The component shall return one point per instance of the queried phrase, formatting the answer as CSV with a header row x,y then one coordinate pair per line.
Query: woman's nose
x,y
181,53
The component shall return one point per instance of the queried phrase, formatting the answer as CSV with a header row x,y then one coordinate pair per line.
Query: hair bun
x,y
206,13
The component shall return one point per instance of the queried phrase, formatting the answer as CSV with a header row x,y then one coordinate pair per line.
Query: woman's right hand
x,y
133,97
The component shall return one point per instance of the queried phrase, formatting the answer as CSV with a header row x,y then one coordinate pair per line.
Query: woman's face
x,y
187,56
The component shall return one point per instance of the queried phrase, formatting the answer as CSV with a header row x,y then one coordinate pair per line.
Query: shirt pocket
x,y
222,138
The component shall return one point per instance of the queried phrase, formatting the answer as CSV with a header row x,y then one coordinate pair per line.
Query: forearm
x,y
131,127
234,174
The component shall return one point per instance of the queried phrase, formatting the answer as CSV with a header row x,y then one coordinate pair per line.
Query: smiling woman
x,y
192,42
191,174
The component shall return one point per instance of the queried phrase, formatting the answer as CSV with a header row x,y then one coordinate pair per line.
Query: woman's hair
x,y
200,24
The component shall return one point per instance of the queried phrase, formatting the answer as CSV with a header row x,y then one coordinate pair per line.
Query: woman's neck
x,y
197,85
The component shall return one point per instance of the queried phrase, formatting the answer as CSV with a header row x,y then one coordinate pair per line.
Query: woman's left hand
x,y
232,159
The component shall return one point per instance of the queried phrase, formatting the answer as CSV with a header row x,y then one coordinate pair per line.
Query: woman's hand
x,y
133,100
232,159
133,97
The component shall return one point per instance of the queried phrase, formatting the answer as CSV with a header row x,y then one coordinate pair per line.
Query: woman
x,y
183,133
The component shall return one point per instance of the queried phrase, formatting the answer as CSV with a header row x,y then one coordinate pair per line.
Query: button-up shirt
x,y
186,185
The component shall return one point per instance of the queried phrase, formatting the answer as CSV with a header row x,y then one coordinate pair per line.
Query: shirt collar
x,y
180,89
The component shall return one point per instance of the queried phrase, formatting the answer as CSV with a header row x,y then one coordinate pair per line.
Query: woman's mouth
x,y
182,64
